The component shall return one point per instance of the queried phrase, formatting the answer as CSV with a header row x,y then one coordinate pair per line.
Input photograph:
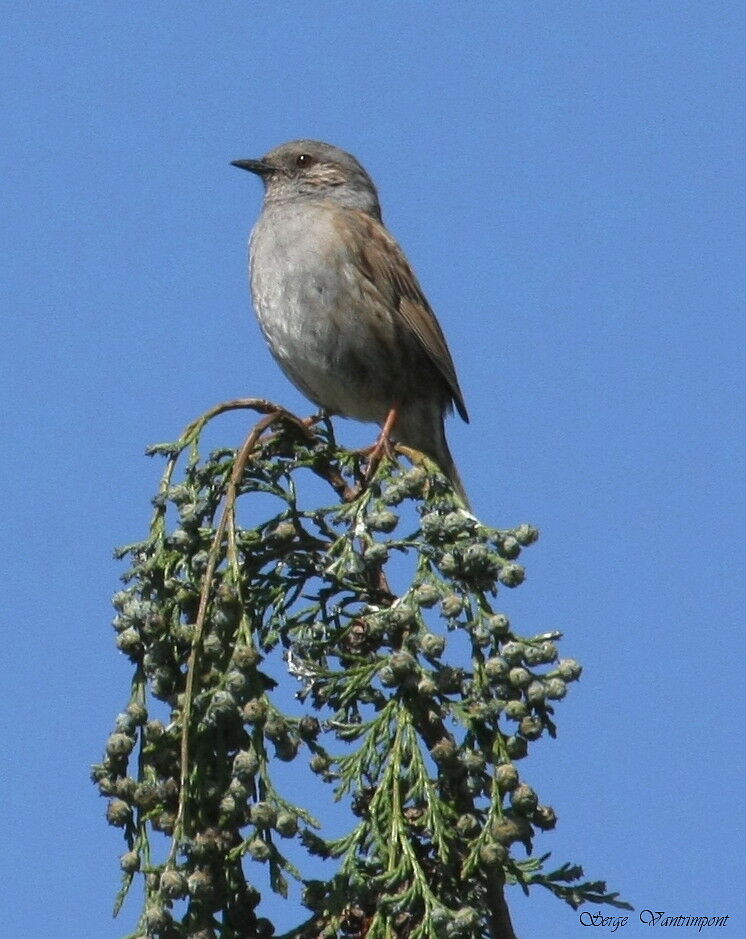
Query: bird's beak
x,y
254,166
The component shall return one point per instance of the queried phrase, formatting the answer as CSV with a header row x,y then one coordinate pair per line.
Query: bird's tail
x,y
449,468
422,429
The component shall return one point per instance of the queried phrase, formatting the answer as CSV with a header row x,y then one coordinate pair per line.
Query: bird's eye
x,y
304,159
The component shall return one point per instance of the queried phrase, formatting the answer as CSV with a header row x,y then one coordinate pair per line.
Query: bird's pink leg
x,y
321,415
382,446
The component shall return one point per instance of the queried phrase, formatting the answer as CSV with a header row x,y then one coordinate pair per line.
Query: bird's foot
x,y
322,415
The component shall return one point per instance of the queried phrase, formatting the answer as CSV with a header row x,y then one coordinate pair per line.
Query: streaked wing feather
x,y
383,262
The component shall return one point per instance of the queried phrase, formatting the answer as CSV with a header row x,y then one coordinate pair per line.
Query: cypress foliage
x,y
263,628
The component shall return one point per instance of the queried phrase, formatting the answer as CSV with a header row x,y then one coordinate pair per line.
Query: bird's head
x,y
312,170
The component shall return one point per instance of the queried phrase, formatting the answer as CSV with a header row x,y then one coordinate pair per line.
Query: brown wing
x,y
382,261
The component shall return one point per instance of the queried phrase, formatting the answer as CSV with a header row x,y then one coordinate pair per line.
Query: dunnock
x,y
339,305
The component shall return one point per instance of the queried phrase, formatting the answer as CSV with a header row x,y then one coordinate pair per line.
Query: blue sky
x,y
567,180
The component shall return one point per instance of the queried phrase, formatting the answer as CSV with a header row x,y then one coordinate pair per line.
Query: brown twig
x,y
274,414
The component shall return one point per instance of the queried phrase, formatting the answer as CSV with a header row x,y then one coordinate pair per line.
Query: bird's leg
x,y
322,415
382,446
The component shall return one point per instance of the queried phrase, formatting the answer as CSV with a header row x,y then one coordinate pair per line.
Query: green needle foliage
x,y
419,739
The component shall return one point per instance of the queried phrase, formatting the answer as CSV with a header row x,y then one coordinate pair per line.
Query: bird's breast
x,y
320,316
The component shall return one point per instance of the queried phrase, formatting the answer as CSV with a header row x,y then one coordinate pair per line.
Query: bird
x,y
340,306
